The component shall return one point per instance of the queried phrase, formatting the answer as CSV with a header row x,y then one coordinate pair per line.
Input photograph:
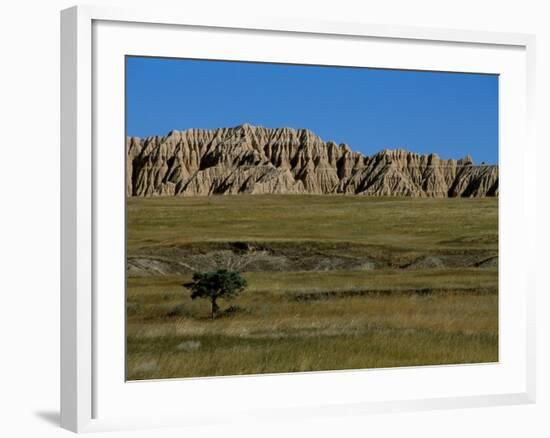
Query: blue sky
x,y
450,114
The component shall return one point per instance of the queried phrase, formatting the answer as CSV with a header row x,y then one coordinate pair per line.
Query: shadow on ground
x,y
51,417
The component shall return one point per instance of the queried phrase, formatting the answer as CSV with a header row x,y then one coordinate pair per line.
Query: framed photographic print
x,y
276,219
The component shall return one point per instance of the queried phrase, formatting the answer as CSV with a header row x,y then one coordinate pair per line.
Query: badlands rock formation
x,y
254,159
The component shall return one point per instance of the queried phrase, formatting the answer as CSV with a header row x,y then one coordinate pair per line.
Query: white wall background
x,y
29,215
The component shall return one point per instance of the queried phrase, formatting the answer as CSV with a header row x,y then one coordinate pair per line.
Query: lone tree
x,y
216,284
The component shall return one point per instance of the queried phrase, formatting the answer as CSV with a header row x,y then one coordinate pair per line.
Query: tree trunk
x,y
214,308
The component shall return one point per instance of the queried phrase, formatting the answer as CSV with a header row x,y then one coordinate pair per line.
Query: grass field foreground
x,y
323,318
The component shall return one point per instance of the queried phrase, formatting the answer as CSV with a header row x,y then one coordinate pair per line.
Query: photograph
x,y
285,218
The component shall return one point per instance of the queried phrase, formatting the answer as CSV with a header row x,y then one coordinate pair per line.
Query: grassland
x,y
424,295
404,222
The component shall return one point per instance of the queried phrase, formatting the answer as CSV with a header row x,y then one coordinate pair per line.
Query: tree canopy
x,y
212,285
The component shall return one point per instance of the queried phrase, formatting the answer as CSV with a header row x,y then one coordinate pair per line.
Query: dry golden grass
x,y
316,320
275,333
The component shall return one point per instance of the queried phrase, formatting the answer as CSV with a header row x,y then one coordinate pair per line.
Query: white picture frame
x,y
93,35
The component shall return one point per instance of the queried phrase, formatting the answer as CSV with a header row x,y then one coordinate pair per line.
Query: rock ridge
x,y
259,160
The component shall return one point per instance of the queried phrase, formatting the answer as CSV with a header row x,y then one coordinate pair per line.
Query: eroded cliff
x,y
254,159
